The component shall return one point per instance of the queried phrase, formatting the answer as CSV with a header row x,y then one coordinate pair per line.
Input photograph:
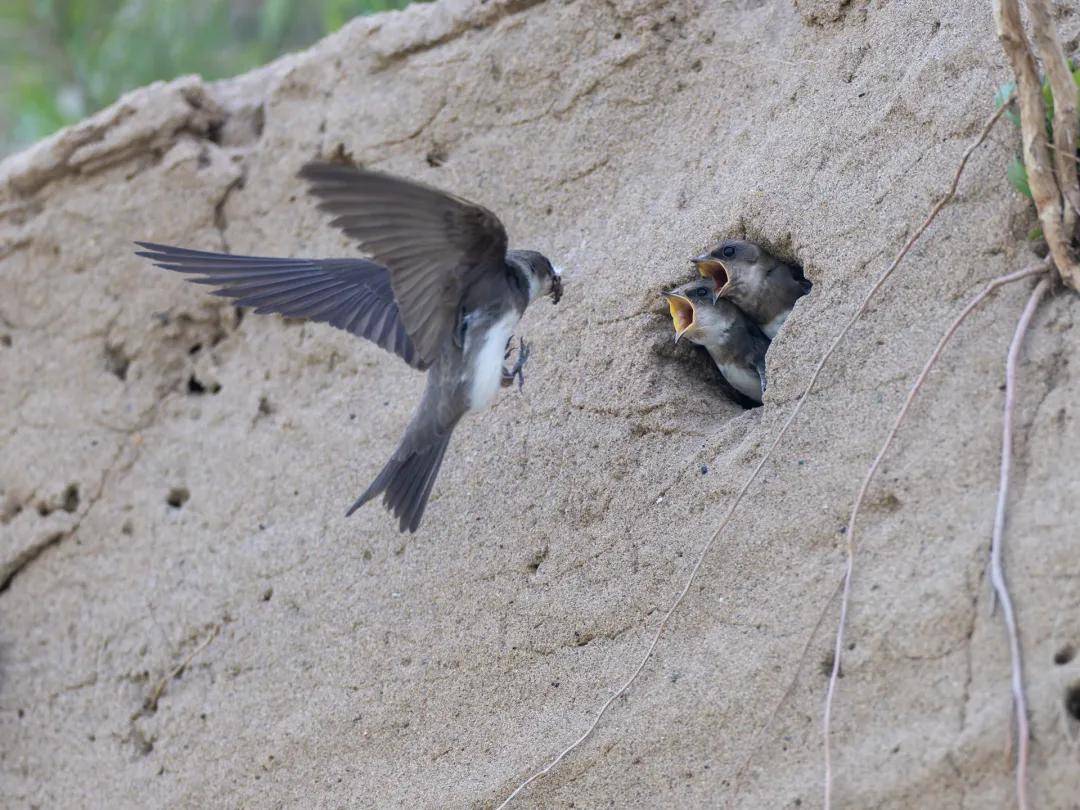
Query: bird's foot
x,y
517,371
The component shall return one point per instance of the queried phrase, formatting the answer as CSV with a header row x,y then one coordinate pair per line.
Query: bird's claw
x,y
517,371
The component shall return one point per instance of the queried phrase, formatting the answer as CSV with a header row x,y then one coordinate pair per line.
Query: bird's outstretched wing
x,y
433,243
351,294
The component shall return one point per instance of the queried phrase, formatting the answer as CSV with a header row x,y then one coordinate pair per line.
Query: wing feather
x,y
352,294
433,243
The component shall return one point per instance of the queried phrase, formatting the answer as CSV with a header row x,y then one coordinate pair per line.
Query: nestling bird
x,y
443,293
763,286
734,342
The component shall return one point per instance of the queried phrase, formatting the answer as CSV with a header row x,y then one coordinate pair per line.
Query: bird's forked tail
x,y
406,483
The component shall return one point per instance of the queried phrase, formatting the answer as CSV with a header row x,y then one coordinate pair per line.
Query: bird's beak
x,y
713,268
682,313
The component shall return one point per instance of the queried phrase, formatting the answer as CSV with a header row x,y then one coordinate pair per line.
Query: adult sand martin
x,y
763,286
443,293
734,342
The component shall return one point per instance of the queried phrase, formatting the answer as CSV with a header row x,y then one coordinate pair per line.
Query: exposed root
x,y
997,573
845,598
1046,189
878,284
1052,55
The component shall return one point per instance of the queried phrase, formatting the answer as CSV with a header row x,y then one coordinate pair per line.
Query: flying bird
x,y
737,346
763,286
442,292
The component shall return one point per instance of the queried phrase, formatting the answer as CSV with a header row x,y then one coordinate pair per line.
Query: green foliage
x,y
1016,172
61,60
1017,175
1002,96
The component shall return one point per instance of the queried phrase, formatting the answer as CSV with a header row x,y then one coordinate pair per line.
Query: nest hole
x,y
773,265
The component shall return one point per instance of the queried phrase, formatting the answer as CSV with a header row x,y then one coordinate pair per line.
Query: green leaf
x,y
1035,234
54,53
1017,175
1003,94
1048,104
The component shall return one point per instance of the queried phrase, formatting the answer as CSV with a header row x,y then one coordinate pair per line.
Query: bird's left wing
x,y
351,294
433,243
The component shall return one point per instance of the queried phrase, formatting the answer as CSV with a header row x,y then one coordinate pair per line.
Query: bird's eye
x,y
701,292
729,251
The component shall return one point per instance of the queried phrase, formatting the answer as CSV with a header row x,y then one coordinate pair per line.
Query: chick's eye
x,y
729,251
701,292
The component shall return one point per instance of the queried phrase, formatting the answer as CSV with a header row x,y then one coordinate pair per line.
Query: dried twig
x,y
997,574
1044,186
900,416
150,705
878,284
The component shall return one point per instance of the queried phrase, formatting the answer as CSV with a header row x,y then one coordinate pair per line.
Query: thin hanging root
x,y
997,573
845,598
768,453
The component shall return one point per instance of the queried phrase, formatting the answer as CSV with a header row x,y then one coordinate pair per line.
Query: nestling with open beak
x,y
734,342
442,291
763,286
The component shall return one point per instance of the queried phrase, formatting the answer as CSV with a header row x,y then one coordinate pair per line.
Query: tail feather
x,y
406,484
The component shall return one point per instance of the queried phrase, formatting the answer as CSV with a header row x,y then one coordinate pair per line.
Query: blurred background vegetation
x,y
61,60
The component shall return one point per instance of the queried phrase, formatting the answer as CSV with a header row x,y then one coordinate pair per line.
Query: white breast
x,y
772,327
485,370
746,381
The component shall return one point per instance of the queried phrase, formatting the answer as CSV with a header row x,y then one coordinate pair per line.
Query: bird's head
x,y
683,304
695,314
543,277
731,263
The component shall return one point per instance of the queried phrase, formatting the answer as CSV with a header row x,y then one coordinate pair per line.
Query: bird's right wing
x,y
433,243
351,294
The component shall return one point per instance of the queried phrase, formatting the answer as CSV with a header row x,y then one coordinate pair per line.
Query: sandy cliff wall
x,y
187,618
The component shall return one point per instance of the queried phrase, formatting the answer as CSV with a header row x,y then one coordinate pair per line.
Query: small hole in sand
x,y
196,387
827,665
1072,701
117,362
177,497
1065,655
71,498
